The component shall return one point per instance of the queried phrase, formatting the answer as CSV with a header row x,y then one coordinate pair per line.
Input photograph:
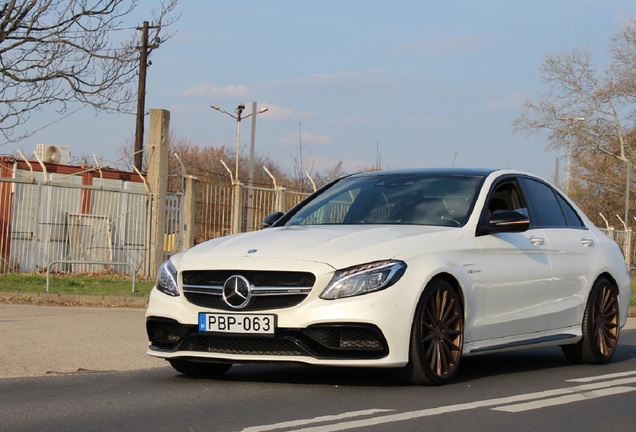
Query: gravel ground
x,y
48,340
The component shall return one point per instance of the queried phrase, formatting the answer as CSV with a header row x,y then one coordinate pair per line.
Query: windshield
x,y
405,198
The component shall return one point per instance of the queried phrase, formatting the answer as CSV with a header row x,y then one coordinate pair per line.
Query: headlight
x,y
167,279
364,279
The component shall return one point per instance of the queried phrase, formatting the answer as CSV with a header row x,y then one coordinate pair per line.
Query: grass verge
x,y
103,285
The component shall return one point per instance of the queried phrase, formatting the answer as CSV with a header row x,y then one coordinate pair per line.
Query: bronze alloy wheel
x,y
605,320
437,337
600,326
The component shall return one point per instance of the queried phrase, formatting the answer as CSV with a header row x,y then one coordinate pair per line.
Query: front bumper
x,y
327,341
369,330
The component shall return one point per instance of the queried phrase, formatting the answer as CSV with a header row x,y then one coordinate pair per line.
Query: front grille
x,y
269,289
246,346
215,301
256,277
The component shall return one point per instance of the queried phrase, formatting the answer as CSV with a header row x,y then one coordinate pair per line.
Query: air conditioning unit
x,y
58,154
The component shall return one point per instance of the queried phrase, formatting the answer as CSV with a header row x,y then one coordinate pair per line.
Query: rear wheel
x,y
600,326
437,337
200,369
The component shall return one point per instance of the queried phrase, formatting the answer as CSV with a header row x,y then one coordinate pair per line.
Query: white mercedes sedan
x,y
410,270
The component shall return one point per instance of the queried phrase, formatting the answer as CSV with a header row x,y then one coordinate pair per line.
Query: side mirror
x,y
505,221
271,219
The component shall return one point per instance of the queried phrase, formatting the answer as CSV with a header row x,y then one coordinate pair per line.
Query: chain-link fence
x,y
67,226
215,207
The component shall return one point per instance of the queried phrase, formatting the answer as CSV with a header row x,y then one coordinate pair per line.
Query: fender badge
x,y
251,251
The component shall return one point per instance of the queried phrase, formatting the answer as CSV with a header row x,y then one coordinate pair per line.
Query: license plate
x,y
237,323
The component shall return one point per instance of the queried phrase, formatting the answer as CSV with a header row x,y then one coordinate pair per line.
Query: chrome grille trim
x,y
256,291
269,289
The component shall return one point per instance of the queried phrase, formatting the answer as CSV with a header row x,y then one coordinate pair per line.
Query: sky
x,y
412,83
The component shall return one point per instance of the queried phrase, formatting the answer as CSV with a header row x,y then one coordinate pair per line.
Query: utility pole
x,y
145,50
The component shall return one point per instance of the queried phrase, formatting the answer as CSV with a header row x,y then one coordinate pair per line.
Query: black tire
x,y
198,369
437,337
600,326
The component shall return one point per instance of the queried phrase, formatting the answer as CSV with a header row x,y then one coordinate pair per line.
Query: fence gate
x,y
44,222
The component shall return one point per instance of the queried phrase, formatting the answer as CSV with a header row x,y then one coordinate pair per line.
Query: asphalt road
x,y
75,368
532,390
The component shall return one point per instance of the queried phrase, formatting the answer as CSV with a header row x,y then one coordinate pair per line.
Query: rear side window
x,y
570,214
549,208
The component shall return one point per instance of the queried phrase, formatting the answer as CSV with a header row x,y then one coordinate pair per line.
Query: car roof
x,y
477,172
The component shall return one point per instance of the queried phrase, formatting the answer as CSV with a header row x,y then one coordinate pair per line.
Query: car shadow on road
x,y
292,373
472,369
530,360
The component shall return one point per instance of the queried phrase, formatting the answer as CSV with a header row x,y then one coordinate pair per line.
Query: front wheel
x,y
198,369
437,337
600,326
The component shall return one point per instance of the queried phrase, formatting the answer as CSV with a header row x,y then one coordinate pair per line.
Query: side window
x,y
505,196
570,214
543,204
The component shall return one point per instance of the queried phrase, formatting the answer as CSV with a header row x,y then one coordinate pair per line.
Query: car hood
x,y
338,246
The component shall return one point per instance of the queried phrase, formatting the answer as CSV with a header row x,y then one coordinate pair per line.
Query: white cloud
x,y
276,112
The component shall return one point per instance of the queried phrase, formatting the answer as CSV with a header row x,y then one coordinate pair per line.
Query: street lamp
x,y
239,111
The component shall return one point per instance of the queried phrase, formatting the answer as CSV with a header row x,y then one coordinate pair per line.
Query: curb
x,y
74,300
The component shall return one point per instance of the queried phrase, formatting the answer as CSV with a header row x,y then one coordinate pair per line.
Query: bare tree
x,y
590,113
582,107
57,52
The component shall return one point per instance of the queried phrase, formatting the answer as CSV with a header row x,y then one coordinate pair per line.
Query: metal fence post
x,y
189,212
627,247
280,199
237,207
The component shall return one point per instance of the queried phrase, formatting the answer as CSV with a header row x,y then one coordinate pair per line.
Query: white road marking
x,y
323,419
577,397
603,377
512,404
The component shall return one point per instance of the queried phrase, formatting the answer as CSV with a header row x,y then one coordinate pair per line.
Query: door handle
x,y
537,241
587,242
